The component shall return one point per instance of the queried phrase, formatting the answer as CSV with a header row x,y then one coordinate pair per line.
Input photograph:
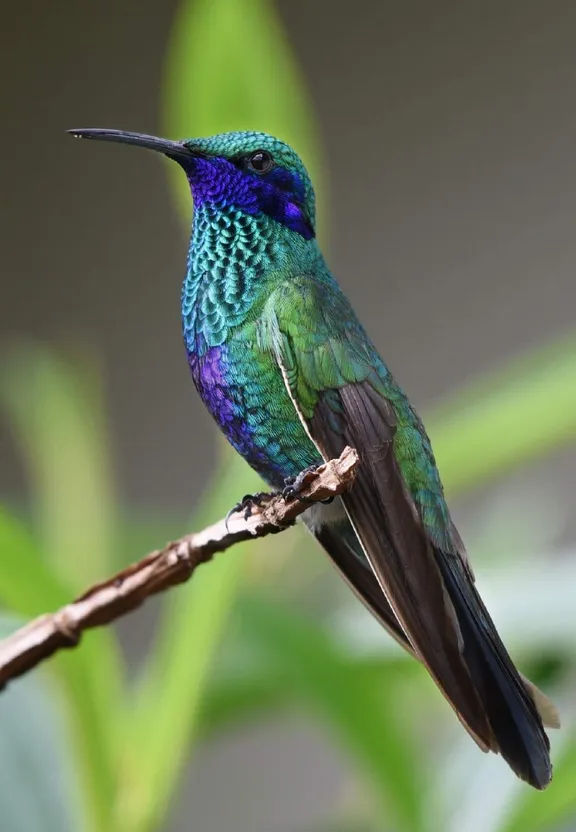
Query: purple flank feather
x,y
224,401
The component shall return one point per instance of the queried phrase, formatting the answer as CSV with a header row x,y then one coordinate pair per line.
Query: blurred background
x,y
263,697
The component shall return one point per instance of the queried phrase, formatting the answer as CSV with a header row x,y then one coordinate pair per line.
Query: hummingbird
x,y
291,377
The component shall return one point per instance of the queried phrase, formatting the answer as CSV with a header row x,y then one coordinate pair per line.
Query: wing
x,y
344,395
344,549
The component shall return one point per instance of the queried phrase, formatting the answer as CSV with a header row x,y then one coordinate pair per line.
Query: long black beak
x,y
174,150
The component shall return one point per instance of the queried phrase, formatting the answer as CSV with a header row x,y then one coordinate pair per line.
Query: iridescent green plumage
x,y
319,343
286,369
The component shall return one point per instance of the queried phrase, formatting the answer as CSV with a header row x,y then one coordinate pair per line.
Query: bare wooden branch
x,y
158,571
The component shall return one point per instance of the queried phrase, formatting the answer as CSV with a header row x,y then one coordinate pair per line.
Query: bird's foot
x,y
248,503
294,485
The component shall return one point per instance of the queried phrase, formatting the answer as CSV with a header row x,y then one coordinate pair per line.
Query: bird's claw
x,y
247,504
294,485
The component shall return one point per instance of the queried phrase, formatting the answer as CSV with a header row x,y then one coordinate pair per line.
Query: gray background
x,y
450,130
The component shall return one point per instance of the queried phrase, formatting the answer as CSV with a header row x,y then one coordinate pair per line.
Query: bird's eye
x,y
260,161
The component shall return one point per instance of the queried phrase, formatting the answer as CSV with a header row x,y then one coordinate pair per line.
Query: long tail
x,y
430,589
510,704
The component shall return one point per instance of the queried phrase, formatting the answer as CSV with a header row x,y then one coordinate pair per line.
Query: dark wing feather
x,y
397,547
342,393
361,579
431,592
342,545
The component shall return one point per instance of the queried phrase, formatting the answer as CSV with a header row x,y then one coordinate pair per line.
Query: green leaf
x,y
29,586
361,714
237,700
508,419
38,786
55,417
89,677
56,410
247,685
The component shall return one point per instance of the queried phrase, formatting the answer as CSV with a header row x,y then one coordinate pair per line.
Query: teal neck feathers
x,y
234,261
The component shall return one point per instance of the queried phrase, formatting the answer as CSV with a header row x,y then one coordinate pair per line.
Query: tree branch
x,y
158,571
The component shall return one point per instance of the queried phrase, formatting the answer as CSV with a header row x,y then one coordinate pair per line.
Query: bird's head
x,y
251,172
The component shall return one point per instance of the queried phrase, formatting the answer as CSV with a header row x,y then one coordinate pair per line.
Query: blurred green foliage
x,y
113,756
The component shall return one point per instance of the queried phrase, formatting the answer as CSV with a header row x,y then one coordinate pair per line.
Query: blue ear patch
x,y
285,201
280,194
286,180
292,215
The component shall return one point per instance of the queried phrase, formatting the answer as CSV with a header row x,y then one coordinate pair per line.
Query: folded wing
x,y
345,396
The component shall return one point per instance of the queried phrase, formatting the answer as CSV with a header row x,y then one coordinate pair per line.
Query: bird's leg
x,y
294,485
248,503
